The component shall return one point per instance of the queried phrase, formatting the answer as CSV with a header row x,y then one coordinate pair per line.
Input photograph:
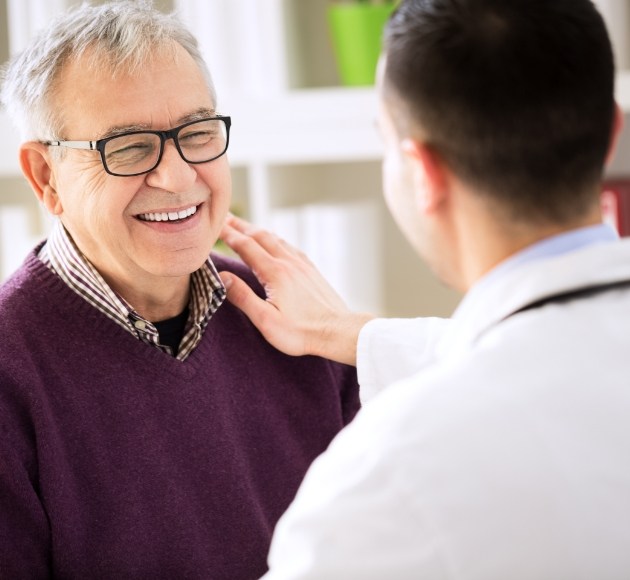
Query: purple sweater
x,y
119,461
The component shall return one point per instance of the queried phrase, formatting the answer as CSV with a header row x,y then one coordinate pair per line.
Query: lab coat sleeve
x,y
390,349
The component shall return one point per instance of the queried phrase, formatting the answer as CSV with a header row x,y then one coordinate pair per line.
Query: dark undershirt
x,y
171,330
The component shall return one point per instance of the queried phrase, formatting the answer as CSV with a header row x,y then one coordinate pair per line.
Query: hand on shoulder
x,y
302,314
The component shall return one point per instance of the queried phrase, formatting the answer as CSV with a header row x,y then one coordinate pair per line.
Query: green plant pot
x,y
356,33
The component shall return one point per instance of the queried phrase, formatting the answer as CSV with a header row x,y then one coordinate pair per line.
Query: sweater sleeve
x,y
343,376
346,379
24,529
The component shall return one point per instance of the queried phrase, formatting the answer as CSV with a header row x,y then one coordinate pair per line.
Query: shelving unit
x,y
305,151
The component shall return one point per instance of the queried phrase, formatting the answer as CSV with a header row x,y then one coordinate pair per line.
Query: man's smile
x,y
172,216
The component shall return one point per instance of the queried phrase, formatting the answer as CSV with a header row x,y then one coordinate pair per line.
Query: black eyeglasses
x,y
138,152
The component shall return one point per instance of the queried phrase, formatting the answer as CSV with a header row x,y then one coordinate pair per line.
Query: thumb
x,y
243,297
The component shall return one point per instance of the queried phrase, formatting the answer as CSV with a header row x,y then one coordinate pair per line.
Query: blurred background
x,y
304,149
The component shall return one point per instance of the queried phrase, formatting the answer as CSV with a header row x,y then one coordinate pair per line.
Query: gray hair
x,y
122,35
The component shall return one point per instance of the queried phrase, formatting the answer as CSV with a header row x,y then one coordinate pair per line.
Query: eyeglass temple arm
x,y
73,144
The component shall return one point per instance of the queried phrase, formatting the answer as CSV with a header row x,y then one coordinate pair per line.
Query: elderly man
x,y
503,451
148,431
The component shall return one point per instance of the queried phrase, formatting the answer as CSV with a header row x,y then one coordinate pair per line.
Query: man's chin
x,y
178,264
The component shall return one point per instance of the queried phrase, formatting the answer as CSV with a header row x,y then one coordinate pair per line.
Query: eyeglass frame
x,y
99,144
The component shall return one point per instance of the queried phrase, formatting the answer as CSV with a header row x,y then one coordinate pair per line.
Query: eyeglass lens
x,y
139,152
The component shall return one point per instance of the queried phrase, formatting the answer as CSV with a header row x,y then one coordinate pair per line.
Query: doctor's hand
x,y
302,313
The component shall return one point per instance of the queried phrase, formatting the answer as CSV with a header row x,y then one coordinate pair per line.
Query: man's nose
x,y
172,173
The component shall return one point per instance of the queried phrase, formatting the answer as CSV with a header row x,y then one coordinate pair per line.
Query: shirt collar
x,y
555,245
207,292
548,267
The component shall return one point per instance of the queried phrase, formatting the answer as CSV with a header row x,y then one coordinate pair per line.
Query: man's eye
x,y
138,148
196,137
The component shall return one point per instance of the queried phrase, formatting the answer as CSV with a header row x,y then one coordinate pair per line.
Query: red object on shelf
x,y
615,203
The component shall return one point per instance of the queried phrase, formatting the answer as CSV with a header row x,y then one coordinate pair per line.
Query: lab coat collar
x,y
488,304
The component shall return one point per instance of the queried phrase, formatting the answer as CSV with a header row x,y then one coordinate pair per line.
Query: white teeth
x,y
170,216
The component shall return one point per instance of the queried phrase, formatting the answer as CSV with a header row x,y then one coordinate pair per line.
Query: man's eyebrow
x,y
118,129
194,116
201,113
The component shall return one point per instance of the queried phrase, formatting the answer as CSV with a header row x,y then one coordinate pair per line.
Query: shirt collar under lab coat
x,y
521,279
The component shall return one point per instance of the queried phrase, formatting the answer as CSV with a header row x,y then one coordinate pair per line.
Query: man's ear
x,y
617,127
37,168
430,178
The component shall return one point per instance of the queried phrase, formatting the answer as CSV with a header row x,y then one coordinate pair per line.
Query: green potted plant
x,y
356,28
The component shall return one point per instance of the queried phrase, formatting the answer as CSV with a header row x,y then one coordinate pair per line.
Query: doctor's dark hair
x,y
515,95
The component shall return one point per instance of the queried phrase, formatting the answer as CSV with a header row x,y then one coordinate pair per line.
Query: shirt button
x,y
140,324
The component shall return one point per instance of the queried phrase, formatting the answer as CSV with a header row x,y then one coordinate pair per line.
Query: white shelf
x,y
9,144
316,125
622,90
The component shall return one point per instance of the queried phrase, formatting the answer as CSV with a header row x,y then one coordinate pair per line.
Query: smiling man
x,y
145,209
148,431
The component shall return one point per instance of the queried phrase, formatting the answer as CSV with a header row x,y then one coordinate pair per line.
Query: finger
x,y
238,291
269,242
238,223
274,244
250,251
227,232
259,311
246,228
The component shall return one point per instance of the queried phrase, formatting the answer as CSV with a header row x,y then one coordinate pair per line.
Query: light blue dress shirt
x,y
550,247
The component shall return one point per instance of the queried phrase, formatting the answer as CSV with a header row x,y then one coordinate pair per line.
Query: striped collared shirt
x,y
207,293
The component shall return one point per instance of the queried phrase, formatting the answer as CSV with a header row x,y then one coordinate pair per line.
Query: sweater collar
x,y
63,257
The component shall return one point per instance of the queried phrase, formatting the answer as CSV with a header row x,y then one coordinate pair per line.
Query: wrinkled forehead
x,y
92,93
102,59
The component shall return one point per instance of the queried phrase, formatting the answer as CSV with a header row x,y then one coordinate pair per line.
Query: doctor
x,y
502,449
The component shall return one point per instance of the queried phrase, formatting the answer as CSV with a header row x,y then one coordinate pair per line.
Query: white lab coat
x,y
506,456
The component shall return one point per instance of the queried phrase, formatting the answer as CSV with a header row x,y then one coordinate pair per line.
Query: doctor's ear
x,y
617,127
37,168
430,176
